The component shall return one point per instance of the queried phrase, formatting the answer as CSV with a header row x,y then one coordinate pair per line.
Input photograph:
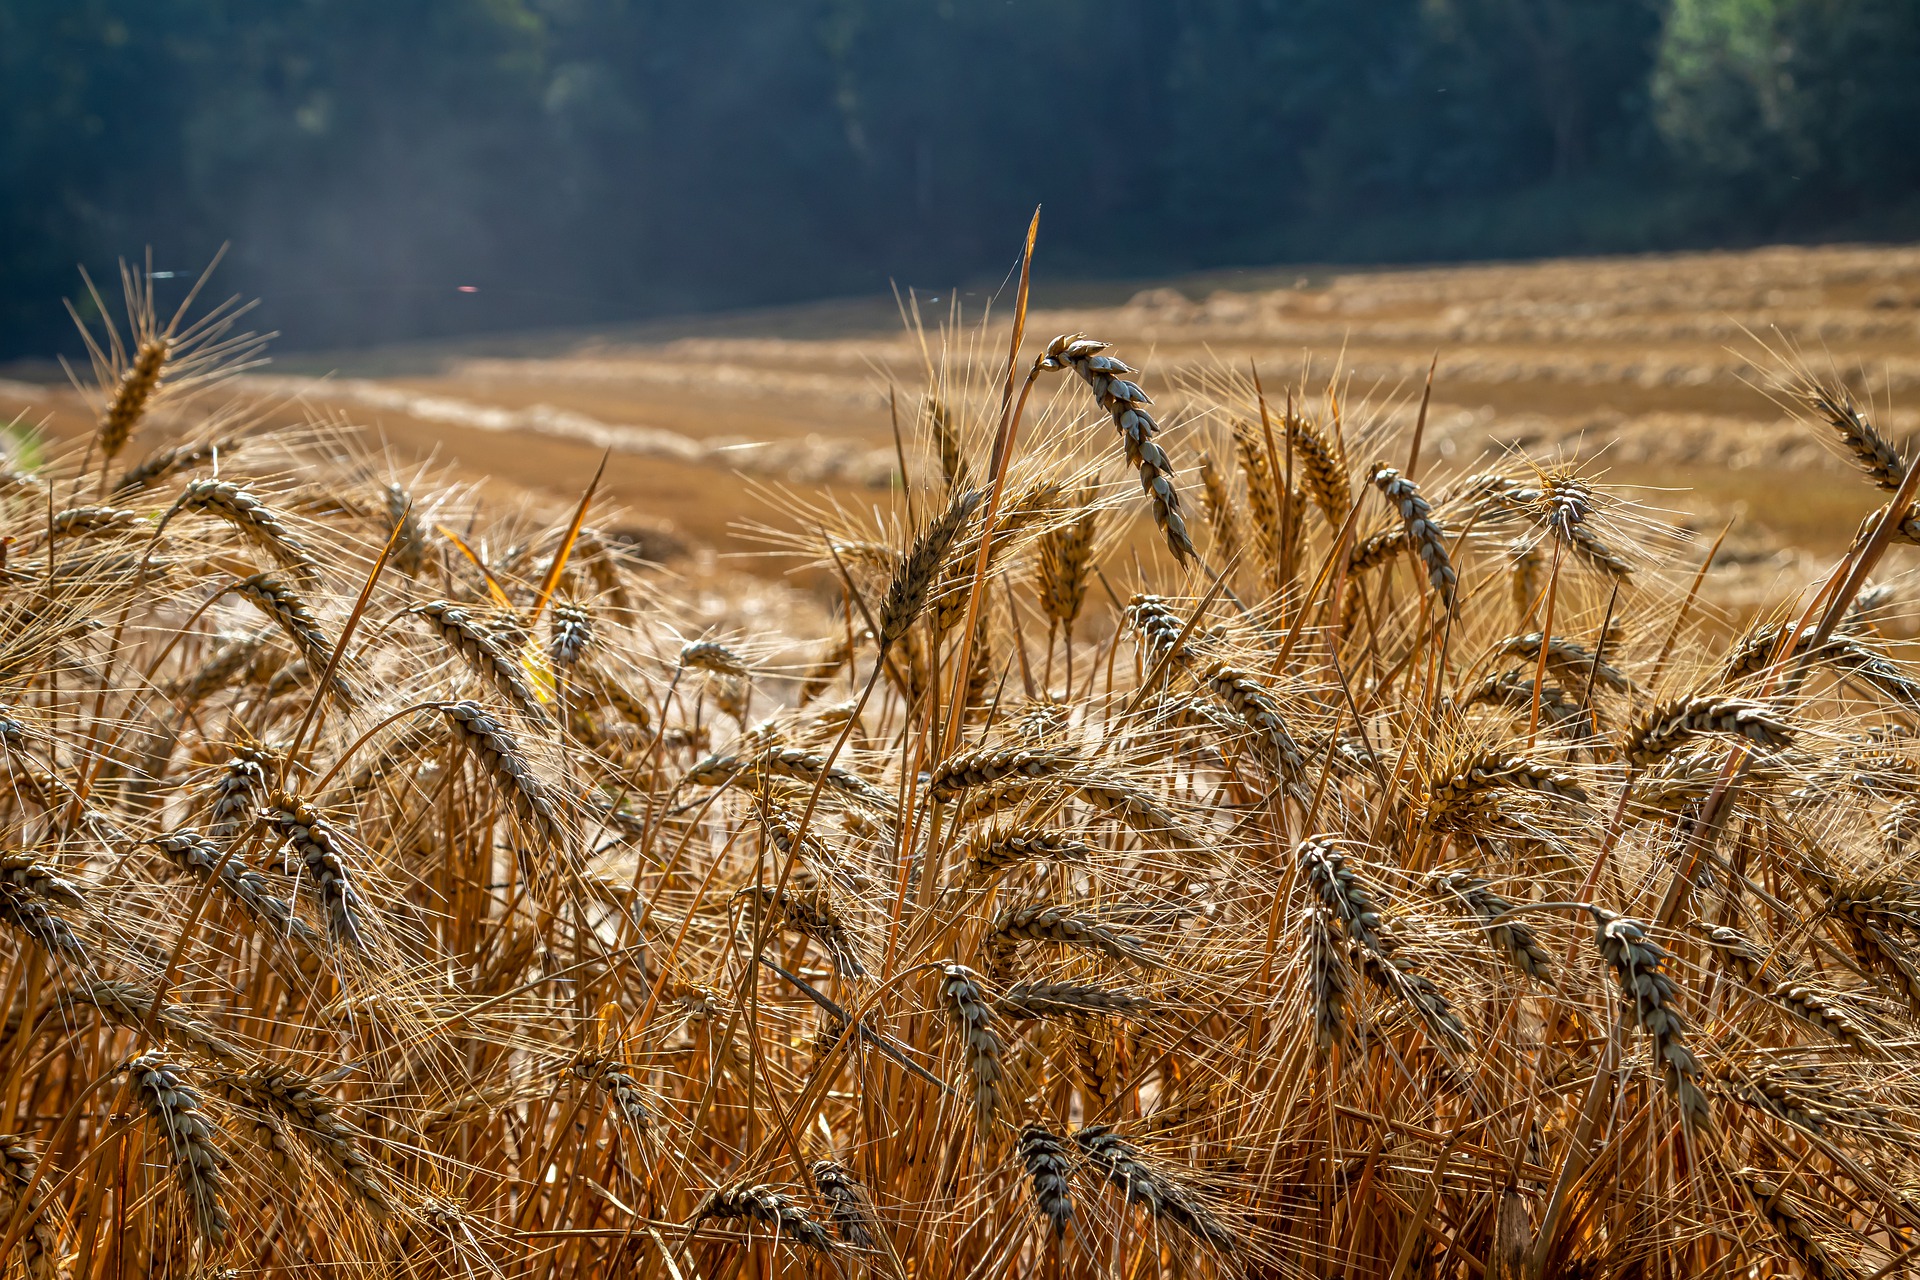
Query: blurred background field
x,y
1657,369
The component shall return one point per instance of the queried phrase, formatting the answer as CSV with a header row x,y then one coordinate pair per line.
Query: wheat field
x,y
1149,804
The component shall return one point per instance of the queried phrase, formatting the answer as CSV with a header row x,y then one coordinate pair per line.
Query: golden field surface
x,y
1655,371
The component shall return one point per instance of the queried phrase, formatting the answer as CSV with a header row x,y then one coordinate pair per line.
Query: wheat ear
x,y
199,1165
254,520
1423,532
1048,1166
135,391
40,1246
767,1204
482,656
972,1016
1126,403
316,848
289,611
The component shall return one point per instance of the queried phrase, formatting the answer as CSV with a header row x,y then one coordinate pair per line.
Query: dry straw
x,y
961,939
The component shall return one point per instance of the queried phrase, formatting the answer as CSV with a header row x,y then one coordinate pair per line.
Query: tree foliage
x,y
580,160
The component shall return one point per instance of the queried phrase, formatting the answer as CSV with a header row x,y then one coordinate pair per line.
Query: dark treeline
x,y
588,160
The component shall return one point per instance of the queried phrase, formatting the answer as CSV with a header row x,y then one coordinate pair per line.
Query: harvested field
x,y
1654,369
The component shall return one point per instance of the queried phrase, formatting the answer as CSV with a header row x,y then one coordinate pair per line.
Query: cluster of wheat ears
x,y
1423,883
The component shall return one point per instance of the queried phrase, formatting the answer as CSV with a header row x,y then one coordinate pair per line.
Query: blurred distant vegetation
x,y
587,160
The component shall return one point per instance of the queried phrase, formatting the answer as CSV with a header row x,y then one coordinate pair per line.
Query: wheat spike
x,y
40,925
1878,458
314,1117
129,1004
40,1247
255,521
498,753
769,1205
1217,501
918,568
163,464
196,855
1125,403
954,471
1035,1000
1120,1161
710,655
1045,922
1329,981
1640,968
850,1209
1666,727
483,656
1782,1213
1316,459
1000,848
1508,936
1578,664
1066,555
138,385
199,1165
1048,1167
569,635
404,531
315,847
629,1098
289,611
1423,533
984,766
972,1016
